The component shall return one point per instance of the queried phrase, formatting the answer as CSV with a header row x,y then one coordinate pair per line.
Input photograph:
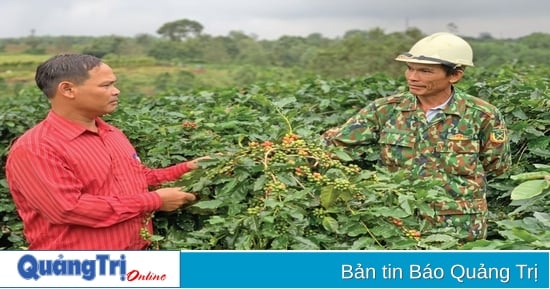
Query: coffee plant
x,y
270,184
295,194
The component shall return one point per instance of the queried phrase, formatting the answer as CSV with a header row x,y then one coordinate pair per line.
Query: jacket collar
x,y
456,106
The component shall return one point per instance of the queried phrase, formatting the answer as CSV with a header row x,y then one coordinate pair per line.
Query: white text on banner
x,y
364,269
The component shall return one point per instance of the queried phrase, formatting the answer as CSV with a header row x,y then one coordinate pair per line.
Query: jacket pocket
x,y
397,149
459,156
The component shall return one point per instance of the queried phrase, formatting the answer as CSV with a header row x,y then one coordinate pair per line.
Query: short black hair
x,y
64,67
451,70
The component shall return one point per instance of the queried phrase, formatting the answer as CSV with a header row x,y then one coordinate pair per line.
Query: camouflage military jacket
x,y
463,144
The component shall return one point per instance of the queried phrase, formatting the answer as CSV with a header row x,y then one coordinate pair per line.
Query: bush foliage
x,y
271,185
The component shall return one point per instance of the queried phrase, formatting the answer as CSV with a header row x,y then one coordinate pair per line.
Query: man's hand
x,y
173,198
194,164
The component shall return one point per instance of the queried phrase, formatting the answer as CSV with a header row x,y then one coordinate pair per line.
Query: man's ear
x,y
456,76
66,89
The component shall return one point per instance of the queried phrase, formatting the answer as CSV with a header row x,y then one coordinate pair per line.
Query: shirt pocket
x,y
459,156
397,149
130,175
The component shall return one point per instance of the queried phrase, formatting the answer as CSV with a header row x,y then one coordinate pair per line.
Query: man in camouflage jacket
x,y
435,130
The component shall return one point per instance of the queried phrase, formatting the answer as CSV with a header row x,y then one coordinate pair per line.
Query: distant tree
x,y
245,74
485,36
144,39
34,43
287,51
239,35
362,52
355,33
166,50
246,49
104,45
316,40
376,33
180,29
414,33
178,52
179,81
230,45
62,44
452,27
214,49
536,40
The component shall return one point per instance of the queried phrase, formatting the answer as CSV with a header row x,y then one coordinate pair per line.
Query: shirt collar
x,y
443,105
69,129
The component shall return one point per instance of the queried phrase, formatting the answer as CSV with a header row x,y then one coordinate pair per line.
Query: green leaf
x,y
362,243
343,155
439,238
534,131
271,203
405,203
304,244
529,189
3,183
438,241
215,220
325,88
540,152
544,218
268,219
520,114
542,244
285,101
157,238
330,224
530,176
298,215
259,183
328,197
425,209
211,204
286,179
389,212
357,229
346,196
542,167
244,242
261,99
524,234
228,188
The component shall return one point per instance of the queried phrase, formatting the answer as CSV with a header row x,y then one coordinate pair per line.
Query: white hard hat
x,y
440,48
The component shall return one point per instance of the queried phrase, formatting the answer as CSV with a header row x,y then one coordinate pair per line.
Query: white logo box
x,y
90,269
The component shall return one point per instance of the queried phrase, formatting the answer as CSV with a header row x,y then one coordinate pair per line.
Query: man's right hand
x,y
173,198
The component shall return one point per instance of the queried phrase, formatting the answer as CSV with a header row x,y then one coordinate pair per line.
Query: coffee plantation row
x,y
270,185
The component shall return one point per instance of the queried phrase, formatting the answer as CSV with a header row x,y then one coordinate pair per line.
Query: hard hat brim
x,y
408,57
413,60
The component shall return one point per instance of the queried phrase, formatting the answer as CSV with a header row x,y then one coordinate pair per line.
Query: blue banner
x,y
275,269
364,269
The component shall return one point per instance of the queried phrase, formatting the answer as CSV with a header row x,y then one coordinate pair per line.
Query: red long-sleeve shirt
x,y
76,189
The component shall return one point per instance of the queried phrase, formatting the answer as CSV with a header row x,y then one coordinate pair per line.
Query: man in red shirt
x,y
76,181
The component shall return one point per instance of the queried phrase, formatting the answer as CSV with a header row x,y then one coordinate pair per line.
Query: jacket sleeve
x,y
495,153
356,133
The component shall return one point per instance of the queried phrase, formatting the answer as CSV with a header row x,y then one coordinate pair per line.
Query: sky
x,y
271,19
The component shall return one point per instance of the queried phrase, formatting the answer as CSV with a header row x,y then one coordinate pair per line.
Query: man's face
x,y
97,95
429,80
